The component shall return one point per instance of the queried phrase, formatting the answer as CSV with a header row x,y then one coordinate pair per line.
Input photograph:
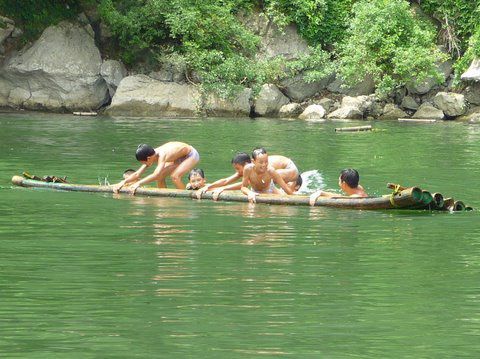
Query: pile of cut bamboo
x,y
434,201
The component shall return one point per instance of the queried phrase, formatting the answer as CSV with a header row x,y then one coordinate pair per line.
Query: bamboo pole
x,y
405,199
438,200
354,129
418,120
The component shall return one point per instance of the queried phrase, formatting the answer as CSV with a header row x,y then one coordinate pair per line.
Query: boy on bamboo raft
x,y
348,183
173,159
196,179
283,165
261,176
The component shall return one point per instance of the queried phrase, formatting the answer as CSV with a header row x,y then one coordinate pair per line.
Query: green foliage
x,y
387,42
321,22
33,16
314,66
472,53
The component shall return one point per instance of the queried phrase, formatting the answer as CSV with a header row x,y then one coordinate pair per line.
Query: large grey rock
x,y
140,95
290,110
61,70
472,93
275,41
297,89
346,112
392,112
362,103
170,71
473,72
409,103
313,112
270,100
327,104
422,87
113,72
452,104
238,106
473,116
427,111
365,87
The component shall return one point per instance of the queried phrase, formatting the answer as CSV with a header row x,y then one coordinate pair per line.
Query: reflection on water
x,y
97,275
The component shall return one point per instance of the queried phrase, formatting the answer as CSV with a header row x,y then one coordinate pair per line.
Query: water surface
x,y
95,275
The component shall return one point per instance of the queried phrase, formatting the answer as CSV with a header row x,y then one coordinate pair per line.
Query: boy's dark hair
x,y
128,171
241,158
350,177
143,152
196,171
299,181
258,151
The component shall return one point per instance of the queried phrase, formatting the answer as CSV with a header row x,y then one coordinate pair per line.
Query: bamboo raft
x,y
405,198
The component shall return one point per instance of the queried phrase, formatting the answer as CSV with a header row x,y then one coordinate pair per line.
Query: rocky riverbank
x,y
64,71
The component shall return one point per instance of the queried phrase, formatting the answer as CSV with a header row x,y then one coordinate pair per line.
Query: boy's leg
x,y
167,170
184,167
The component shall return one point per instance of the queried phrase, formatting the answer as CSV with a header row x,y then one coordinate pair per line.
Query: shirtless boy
x,y
284,166
348,183
172,159
260,175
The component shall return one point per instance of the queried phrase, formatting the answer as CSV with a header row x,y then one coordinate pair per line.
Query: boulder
x,y
313,112
422,87
472,116
270,100
392,112
452,104
365,87
238,106
113,72
473,72
5,32
297,89
290,110
170,71
274,41
472,93
61,70
427,111
140,95
362,103
346,112
327,103
409,103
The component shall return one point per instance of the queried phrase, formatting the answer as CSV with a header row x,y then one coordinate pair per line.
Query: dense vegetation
x,y
384,39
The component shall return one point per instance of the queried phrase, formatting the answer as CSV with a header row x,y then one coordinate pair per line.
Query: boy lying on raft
x,y
173,159
348,183
196,179
260,176
284,166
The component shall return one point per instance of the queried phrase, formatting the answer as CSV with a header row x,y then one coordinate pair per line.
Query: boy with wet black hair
x,y
261,176
348,181
196,179
173,159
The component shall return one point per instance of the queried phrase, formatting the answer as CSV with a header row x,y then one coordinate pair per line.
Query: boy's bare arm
x,y
245,182
150,178
224,181
279,180
132,178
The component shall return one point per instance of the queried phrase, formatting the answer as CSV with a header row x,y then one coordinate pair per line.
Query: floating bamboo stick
x,y
419,120
354,129
85,113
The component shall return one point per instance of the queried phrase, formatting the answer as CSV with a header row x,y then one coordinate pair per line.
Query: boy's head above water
x,y
260,159
144,152
239,161
128,173
196,178
349,177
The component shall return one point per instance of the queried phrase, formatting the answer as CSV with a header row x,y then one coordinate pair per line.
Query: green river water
x,y
96,276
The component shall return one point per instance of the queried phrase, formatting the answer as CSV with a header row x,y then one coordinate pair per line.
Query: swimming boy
x,y
172,159
284,166
260,175
348,183
196,179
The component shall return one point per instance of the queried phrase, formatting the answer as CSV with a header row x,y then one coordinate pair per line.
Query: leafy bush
x,y
387,42
33,16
